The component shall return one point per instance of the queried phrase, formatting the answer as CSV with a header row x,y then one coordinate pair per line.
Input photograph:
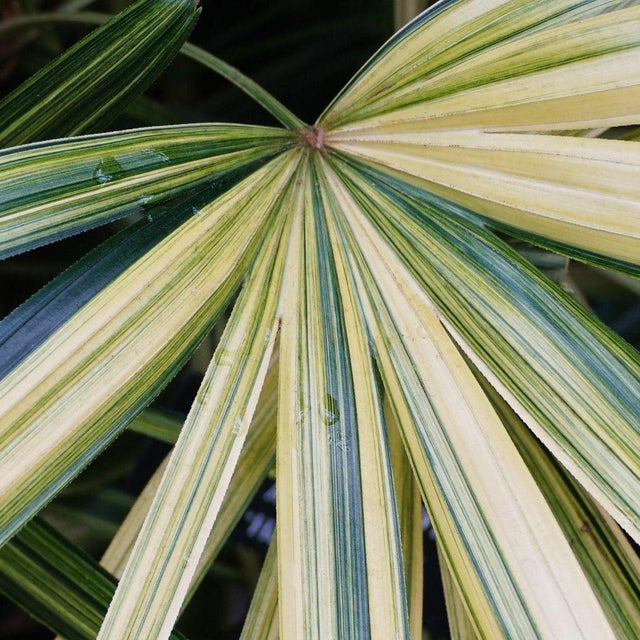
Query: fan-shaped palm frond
x,y
408,346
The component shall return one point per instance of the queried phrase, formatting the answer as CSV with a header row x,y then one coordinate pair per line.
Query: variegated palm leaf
x,y
363,252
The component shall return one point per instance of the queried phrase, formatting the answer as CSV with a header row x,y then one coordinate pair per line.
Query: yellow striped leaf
x,y
340,563
88,85
579,193
500,65
52,190
609,562
497,533
171,296
164,558
574,382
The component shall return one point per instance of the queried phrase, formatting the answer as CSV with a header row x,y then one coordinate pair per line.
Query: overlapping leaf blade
x,y
410,520
28,326
119,349
164,558
610,563
460,625
442,101
55,189
572,380
471,477
339,552
254,462
577,195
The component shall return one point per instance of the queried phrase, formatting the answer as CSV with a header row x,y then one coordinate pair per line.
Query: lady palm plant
x,y
386,344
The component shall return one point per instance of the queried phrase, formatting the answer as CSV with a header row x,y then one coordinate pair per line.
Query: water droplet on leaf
x,y
157,156
106,170
329,411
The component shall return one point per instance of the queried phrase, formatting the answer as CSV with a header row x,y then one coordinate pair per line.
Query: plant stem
x,y
251,88
233,75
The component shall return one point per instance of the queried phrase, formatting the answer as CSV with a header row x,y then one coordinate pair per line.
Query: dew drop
x,y
100,176
195,210
158,156
329,411
106,170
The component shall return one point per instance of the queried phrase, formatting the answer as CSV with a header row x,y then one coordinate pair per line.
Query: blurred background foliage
x,y
302,51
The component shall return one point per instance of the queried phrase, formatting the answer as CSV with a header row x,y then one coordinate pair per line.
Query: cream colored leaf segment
x,y
451,104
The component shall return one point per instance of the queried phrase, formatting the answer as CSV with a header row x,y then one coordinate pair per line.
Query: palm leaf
x,y
471,477
91,180
222,68
607,558
51,446
149,596
579,196
500,65
88,85
542,66
561,367
56,582
332,466
369,240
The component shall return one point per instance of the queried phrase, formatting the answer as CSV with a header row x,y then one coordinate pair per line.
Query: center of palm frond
x,y
313,137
